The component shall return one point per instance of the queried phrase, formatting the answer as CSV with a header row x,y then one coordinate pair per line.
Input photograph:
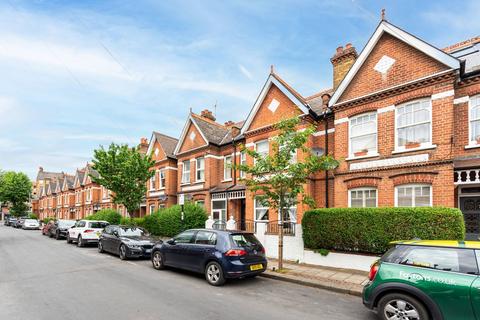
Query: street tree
x,y
15,190
124,171
279,178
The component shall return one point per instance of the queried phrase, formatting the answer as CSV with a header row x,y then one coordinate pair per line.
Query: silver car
x,y
31,224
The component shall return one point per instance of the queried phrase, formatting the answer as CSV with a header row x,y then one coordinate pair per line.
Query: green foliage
x,y
277,178
109,215
125,172
134,222
167,222
323,252
32,216
370,230
15,189
48,219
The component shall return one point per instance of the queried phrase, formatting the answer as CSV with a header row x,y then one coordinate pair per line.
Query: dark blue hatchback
x,y
220,255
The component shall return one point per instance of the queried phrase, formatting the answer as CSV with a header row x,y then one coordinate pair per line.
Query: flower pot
x,y
411,145
478,140
361,153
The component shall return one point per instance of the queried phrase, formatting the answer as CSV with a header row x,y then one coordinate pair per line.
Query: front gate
x,y
470,207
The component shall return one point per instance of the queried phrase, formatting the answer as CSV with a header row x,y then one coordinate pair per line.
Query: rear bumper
x,y
368,303
238,269
31,228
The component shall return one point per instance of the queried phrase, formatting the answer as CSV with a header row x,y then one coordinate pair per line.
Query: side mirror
x,y
115,233
171,242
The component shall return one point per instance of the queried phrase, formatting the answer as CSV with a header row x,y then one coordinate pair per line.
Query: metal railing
x,y
273,227
248,225
219,225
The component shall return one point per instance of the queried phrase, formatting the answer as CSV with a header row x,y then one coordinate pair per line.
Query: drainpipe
x,y
234,162
326,112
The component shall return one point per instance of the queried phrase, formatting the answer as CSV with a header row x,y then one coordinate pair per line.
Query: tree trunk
x,y
280,241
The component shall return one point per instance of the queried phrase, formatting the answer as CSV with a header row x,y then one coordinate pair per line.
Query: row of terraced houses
x,y
402,116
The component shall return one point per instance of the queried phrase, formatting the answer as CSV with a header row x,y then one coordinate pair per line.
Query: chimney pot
x,y
208,115
348,45
229,123
339,50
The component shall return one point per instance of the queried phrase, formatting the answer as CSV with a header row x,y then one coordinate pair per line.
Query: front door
x,y
470,207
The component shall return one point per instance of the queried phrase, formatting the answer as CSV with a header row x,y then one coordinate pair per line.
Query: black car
x,y
6,220
60,228
126,241
220,255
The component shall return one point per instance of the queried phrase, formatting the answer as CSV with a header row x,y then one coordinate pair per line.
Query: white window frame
x,y
255,211
184,172
243,161
153,182
150,208
226,170
262,141
363,199
370,152
162,172
199,169
423,145
413,185
472,142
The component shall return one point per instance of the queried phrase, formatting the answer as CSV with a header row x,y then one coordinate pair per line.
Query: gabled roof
x,y
386,27
59,184
87,172
79,176
168,143
282,85
52,187
316,101
44,175
68,183
467,51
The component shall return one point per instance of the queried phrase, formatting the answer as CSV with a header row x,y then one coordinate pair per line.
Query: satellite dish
x,y
318,151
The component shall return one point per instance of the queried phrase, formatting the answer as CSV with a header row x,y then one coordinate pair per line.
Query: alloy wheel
x,y
157,260
400,310
213,273
122,252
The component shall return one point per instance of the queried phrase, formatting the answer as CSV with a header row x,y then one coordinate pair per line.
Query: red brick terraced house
x,y
79,190
92,191
407,125
68,198
205,152
162,187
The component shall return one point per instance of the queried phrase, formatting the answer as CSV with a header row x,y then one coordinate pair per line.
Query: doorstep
x,y
340,280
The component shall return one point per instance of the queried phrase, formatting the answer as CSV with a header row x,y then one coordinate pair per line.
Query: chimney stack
x,y
40,169
207,114
229,123
342,61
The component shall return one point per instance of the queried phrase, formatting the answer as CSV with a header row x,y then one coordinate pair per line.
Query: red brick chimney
x,y
207,114
342,61
143,146
229,123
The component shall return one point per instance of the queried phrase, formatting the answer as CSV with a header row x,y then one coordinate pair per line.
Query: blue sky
x,y
78,74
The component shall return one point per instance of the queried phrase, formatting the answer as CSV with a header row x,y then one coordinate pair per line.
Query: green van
x,y
426,280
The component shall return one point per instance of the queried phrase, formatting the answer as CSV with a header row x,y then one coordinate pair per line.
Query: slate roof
x,y
213,132
92,171
168,143
53,186
70,181
316,102
467,51
44,175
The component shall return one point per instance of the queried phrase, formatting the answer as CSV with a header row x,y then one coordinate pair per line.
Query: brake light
x,y
373,271
88,231
235,253
263,250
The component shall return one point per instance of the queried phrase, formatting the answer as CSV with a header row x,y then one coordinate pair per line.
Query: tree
x,y
279,179
15,189
125,172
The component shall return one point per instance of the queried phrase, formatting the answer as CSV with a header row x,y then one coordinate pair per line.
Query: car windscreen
x,y
30,220
98,225
66,223
245,240
132,232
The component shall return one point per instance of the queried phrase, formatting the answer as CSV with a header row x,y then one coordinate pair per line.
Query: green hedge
x,y
370,230
137,222
167,222
110,215
48,219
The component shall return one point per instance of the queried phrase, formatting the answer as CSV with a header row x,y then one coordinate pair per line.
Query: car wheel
x,y
50,235
57,235
80,241
122,252
401,306
214,274
157,260
100,247
69,240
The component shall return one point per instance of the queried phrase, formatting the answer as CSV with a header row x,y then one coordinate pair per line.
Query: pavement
x,y
339,280
42,278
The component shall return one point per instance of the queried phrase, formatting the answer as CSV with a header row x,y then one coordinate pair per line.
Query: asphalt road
x,y
41,278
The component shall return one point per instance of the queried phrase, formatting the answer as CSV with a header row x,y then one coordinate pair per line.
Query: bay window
x,y
414,124
362,198
413,195
363,135
186,171
474,120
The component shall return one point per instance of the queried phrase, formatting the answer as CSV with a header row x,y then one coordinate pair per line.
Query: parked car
x,y
31,224
426,280
19,222
126,242
86,231
59,228
220,255
46,227
7,219
12,222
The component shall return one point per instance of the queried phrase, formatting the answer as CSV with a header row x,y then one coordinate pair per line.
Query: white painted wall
x,y
293,250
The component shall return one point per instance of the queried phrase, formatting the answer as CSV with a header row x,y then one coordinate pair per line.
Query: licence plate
x,y
148,251
256,267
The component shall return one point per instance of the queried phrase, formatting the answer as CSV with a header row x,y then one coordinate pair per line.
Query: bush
x,y
109,215
134,222
32,216
48,219
167,222
370,230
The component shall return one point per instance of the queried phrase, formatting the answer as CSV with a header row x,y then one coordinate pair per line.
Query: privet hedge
x,y
370,230
110,215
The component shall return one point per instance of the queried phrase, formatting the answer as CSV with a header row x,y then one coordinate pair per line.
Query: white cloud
x,y
245,72
102,138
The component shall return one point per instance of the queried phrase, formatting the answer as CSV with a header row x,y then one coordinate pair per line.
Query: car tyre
x,y
401,305
80,241
100,247
50,235
69,240
122,252
157,261
57,235
214,274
